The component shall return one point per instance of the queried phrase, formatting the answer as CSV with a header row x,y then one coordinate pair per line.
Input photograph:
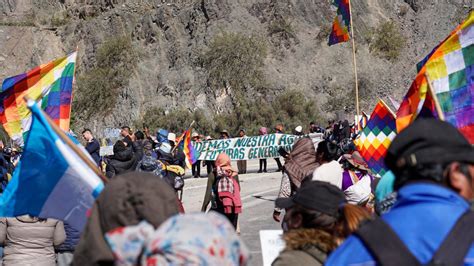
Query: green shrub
x,y
387,41
25,23
176,120
292,109
98,88
59,19
250,115
235,60
282,26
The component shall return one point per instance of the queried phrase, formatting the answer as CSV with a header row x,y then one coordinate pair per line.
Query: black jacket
x,y
93,148
121,162
138,149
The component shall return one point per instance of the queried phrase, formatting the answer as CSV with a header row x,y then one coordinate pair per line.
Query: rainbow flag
x,y
50,84
341,24
449,69
376,137
188,149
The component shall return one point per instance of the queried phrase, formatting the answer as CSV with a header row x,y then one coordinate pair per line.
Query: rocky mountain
x,y
137,56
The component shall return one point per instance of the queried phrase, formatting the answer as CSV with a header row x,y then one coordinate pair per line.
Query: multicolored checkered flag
x,y
49,84
376,137
449,71
341,24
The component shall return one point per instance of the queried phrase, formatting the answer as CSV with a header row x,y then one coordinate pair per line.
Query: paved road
x,y
258,192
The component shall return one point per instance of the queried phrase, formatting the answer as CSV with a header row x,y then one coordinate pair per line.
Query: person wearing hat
x,y
177,153
209,164
356,179
225,134
242,164
316,221
196,168
299,131
431,221
279,130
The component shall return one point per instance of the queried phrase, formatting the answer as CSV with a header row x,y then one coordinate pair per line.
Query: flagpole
x,y
388,108
182,137
72,145
76,64
435,99
354,60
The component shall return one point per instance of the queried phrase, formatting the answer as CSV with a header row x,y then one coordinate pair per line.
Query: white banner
x,y
248,148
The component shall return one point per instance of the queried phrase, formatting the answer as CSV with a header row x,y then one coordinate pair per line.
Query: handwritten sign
x,y
272,244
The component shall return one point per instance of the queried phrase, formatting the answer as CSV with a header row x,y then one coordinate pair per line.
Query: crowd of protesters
x,y
332,209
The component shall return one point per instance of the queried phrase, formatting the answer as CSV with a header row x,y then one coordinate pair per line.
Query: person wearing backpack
x,y
431,221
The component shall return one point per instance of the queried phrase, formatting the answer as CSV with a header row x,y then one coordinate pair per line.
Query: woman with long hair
x,y
317,220
329,170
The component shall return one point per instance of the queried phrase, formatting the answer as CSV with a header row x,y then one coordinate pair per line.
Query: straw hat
x,y
356,160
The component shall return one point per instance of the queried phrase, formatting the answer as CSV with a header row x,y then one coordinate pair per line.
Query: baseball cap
x,y
315,195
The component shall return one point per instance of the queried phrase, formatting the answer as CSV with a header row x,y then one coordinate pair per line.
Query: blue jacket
x,y
422,217
72,238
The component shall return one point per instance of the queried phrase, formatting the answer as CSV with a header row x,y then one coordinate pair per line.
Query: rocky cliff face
x,y
168,38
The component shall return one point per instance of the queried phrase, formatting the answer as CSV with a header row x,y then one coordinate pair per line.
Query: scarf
x,y
224,165
126,200
301,161
177,242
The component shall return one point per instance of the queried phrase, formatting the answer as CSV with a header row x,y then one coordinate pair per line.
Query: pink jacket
x,y
230,198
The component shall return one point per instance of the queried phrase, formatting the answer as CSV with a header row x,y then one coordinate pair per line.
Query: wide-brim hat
x,y
356,160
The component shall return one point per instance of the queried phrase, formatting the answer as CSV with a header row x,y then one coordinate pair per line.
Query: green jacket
x,y
208,195
305,247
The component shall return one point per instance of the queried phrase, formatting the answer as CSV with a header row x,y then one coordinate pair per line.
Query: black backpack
x,y
388,250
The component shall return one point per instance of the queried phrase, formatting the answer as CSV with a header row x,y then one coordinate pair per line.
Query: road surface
x,y
258,192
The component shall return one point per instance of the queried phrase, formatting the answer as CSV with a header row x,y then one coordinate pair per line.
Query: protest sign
x,y
112,133
247,148
106,150
272,243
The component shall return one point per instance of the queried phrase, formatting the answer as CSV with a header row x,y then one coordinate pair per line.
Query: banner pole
x,y
354,61
435,99
388,108
182,137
